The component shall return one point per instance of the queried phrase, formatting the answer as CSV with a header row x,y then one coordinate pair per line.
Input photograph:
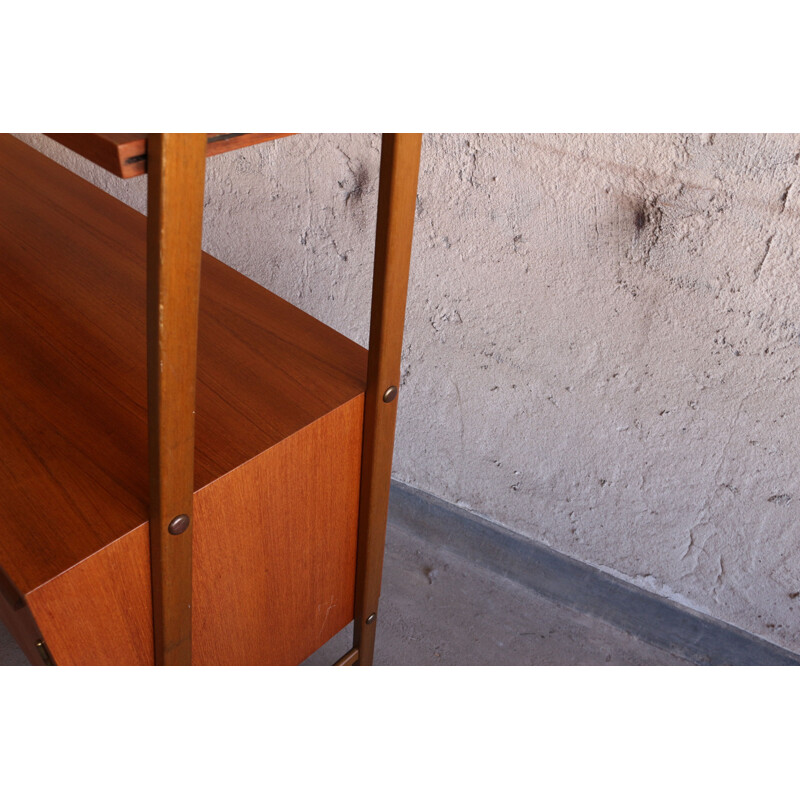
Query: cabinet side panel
x,y
275,547
100,612
273,560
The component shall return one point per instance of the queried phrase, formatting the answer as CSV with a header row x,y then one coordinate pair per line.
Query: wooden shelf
x,y
125,154
74,475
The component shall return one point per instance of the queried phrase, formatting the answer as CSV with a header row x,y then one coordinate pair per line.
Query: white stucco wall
x,y
603,336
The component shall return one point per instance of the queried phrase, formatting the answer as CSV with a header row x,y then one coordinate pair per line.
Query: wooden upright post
x,y
397,197
176,177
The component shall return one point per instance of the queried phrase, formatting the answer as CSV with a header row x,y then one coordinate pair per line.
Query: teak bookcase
x,y
193,470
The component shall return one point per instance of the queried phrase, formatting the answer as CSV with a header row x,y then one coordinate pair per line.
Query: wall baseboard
x,y
698,638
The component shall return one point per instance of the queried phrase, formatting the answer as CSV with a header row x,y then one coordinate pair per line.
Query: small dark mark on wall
x,y
431,573
785,197
779,499
757,270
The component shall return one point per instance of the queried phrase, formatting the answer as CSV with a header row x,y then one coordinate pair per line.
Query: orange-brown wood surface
x,y
100,612
274,563
125,154
74,476
275,547
397,196
175,188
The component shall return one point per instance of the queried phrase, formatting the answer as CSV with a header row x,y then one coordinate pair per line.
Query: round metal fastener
x,y
390,394
179,524
371,618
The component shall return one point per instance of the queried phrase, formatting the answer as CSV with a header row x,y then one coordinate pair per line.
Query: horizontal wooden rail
x,y
126,154
348,659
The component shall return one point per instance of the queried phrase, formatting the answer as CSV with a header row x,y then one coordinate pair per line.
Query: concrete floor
x,y
439,608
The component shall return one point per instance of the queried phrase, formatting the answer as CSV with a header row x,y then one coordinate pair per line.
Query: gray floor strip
x,y
686,633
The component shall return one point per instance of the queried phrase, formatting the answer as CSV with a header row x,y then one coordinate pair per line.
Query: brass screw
x,y
371,618
390,394
179,524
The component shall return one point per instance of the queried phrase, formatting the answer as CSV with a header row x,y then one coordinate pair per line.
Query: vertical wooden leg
x,y
176,177
397,197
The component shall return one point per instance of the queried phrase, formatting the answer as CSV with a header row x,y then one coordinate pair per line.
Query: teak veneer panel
x,y
280,582
73,476
100,612
274,563
125,154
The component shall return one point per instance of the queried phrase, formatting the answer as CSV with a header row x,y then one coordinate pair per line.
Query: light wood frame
x,y
176,169
175,185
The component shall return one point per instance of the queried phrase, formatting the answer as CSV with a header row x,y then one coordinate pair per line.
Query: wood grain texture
x,y
274,563
175,189
74,476
397,196
275,547
100,612
122,154
126,154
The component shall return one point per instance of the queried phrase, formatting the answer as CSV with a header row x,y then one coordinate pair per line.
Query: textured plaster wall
x,y
603,336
